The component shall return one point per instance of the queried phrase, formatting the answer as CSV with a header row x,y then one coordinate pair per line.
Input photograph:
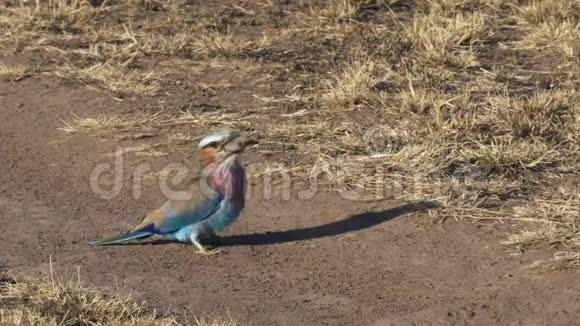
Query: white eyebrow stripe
x,y
215,137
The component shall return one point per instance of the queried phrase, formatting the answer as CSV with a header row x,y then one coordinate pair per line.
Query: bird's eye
x,y
213,144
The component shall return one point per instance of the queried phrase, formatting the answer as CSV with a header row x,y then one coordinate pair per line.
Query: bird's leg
x,y
201,248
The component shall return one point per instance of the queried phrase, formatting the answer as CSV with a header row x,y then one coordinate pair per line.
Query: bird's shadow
x,y
350,224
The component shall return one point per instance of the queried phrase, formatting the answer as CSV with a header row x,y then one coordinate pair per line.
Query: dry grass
x,y
562,260
447,40
565,260
538,12
226,45
549,115
510,156
551,24
110,124
103,124
144,150
557,218
175,45
444,6
564,37
13,73
49,301
336,11
343,11
61,16
352,86
117,79
419,101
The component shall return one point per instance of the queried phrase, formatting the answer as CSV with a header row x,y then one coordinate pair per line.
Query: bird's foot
x,y
210,252
203,251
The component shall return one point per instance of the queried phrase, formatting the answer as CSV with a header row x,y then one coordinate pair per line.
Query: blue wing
x,y
226,214
174,216
175,220
171,217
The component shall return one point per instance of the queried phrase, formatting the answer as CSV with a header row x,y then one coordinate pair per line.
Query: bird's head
x,y
221,145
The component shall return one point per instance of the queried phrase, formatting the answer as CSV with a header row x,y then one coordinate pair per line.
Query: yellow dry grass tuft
x,y
51,302
13,73
537,12
448,40
444,7
144,150
104,123
565,260
344,11
214,322
333,18
552,24
553,116
339,10
557,220
226,45
511,156
352,86
60,16
113,78
419,101
174,45
564,36
145,4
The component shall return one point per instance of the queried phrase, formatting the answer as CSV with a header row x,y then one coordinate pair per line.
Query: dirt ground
x,y
325,261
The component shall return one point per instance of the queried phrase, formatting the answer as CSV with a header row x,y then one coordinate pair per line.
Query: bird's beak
x,y
239,143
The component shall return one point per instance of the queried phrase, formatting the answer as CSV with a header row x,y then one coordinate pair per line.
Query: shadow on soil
x,y
353,223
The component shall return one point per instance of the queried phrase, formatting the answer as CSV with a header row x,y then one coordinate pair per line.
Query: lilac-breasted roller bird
x,y
221,184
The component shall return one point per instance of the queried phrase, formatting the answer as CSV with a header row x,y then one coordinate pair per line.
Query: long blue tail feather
x,y
122,238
